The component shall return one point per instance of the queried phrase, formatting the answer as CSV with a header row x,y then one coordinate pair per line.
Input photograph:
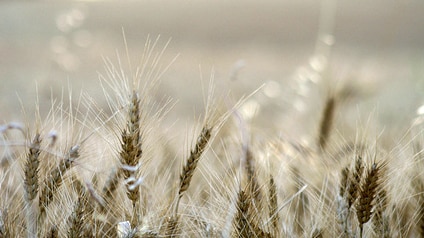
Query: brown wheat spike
x,y
273,207
368,190
131,145
342,201
31,184
191,164
380,221
110,187
53,232
86,204
344,181
354,181
251,176
326,122
171,228
241,220
54,179
31,169
77,219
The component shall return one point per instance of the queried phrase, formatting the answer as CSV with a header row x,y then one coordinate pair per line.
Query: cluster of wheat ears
x,y
81,171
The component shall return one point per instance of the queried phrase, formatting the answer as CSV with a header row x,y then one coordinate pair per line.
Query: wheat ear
x,y
110,188
380,221
187,174
326,122
53,232
367,194
241,220
31,169
131,153
253,183
77,219
191,164
54,179
31,185
354,181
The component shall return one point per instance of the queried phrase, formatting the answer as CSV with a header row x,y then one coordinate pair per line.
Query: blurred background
x,y
295,52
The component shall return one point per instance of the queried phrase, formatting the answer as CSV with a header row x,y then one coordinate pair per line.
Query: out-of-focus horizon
x,y
296,51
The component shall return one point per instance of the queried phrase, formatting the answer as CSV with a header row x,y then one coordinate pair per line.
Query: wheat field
x,y
221,155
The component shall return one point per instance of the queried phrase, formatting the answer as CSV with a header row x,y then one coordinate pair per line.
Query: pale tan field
x,y
311,99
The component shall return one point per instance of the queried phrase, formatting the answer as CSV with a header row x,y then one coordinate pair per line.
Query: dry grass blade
x,y
326,122
367,194
54,180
